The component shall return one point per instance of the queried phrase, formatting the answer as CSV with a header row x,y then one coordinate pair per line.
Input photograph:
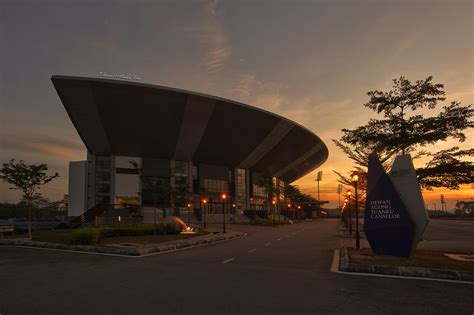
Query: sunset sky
x,y
310,61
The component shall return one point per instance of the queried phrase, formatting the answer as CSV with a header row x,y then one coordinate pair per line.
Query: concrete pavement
x,y
283,270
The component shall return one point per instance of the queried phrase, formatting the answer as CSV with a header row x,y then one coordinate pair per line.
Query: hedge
x,y
90,236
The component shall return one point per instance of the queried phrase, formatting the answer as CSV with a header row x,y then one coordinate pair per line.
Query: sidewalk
x,y
433,264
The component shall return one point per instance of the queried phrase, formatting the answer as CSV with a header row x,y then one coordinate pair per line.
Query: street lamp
x,y
274,212
299,212
189,213
223,197
355,179
235,214
203,210
349,193
346,202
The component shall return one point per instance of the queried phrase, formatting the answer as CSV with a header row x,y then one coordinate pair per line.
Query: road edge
x,y
143,251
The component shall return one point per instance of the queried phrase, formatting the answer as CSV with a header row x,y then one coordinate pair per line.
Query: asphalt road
x,y
282,270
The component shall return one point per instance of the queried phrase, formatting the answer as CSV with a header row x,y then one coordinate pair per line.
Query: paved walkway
x,y
442,235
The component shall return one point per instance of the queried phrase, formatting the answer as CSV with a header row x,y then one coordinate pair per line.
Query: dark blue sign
x,y
388,226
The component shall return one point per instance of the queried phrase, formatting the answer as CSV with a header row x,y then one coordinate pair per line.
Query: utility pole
x,y
339,191
443,203
319,177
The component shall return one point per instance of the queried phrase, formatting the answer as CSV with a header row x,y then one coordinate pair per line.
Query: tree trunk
x,y
29,222
154,215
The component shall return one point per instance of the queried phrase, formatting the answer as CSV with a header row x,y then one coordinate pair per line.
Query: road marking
x,y
279,239
268,244
228,260
252,250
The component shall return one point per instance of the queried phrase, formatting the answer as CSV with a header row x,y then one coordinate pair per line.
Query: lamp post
x,y
299,212
223,197
189,213
274,211
235,214
346,202
349,193
203,209
355,179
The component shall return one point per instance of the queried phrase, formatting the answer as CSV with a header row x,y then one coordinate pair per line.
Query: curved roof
x,y
126,118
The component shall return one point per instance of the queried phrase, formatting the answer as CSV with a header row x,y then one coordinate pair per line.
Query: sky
x,y
310,61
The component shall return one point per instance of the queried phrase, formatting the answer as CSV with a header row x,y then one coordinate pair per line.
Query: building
x,y
208,144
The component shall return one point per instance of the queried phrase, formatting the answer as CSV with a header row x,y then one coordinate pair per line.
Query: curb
x,y
412,272
138,251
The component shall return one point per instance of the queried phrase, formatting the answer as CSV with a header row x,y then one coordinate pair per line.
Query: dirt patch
x,y
65,236
149,239
421,258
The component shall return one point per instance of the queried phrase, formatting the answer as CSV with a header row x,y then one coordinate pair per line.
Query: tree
x,y
26,178
265,180
159,187
464,208
405,129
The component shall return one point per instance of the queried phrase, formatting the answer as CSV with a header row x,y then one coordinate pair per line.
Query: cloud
x,y
213,37
62,149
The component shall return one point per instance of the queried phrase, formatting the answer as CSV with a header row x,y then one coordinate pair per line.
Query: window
x,y
119,170
215,185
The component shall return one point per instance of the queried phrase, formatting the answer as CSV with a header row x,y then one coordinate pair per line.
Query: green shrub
x,y
91,236
127,230
86,236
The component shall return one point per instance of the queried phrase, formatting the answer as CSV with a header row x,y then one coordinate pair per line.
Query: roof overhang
x,y
126,118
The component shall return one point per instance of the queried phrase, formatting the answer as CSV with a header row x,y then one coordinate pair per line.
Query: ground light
x,y
188,230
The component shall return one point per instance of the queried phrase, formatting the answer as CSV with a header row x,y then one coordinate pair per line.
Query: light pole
x,y
274,211
318,179
339,191
288,207
299,212
349,193
189,213
235,214
223,197
203,209
355,179
346,202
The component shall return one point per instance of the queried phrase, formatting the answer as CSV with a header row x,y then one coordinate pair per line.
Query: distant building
x,y
211,144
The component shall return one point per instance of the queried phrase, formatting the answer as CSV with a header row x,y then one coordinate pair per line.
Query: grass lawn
x,y
421,258
64,237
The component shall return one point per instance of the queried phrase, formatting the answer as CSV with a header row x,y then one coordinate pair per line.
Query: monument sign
x,y
395,217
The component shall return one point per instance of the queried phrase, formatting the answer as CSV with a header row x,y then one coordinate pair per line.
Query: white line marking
x,y
268,244
252,250
279,239
335,269
228,260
